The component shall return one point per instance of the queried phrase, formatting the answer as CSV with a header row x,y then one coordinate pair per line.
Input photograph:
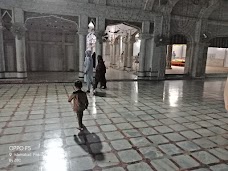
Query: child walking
x,y
80,102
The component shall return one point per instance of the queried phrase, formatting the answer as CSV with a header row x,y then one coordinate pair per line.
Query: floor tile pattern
x,y
131,126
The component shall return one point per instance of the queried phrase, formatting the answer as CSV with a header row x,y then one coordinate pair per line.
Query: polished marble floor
x,y
132,126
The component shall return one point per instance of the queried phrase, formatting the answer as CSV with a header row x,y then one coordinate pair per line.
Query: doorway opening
x,y
121,51
176,55
217,56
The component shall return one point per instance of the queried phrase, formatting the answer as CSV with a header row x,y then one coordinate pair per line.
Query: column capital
x,y
18,30
82,32
1,27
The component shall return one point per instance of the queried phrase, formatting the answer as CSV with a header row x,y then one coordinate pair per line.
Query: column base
x,y
13,75
22,75
141,74
2,74
168,67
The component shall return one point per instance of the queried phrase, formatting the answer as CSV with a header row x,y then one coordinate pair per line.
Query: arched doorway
x,y
52,44
217,56
121,49
176,55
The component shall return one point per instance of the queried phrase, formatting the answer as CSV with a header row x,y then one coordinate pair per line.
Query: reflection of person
x,y
88,64
80,102
226,95
100,74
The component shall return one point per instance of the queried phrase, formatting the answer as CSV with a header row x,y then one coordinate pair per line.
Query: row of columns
x,y
18,18
116,55
151,60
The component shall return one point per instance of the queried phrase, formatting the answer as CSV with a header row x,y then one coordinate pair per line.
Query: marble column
x,y
199,59
2,57
82,33
99,31
99,43
158,50
125,52
131,41
188,59
20,43
200,50
169,57
114,53
111,54
82,49
118,52
142,56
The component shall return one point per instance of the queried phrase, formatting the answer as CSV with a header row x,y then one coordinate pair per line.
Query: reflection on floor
x,y
143,126
209,70
112,74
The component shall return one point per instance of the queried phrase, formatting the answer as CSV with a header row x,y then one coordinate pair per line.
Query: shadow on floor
x,y
84,140
104,94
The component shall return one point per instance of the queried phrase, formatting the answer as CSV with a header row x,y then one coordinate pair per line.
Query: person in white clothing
x,y
88,64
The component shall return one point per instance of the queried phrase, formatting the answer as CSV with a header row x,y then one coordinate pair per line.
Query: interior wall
x,y
52,51
136,47
217,57
9,51
180,51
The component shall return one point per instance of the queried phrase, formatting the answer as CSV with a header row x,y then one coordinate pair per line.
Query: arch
x,y
173,3
187,36
205,12
178,39
136,25
52,21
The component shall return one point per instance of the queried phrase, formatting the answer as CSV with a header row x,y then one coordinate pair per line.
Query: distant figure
x,y
80,102
122,56
174,55
100,74
88,64
94,59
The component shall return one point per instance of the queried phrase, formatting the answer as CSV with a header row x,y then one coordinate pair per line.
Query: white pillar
x,y
118,52
158,50
82,49
144,35
188,59
125,52
142,54
114,53
99,46
199,60
130,52
82,33
99,30
200,51
20,44
2,57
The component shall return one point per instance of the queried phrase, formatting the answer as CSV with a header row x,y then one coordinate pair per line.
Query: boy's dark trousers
x,y
80,116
